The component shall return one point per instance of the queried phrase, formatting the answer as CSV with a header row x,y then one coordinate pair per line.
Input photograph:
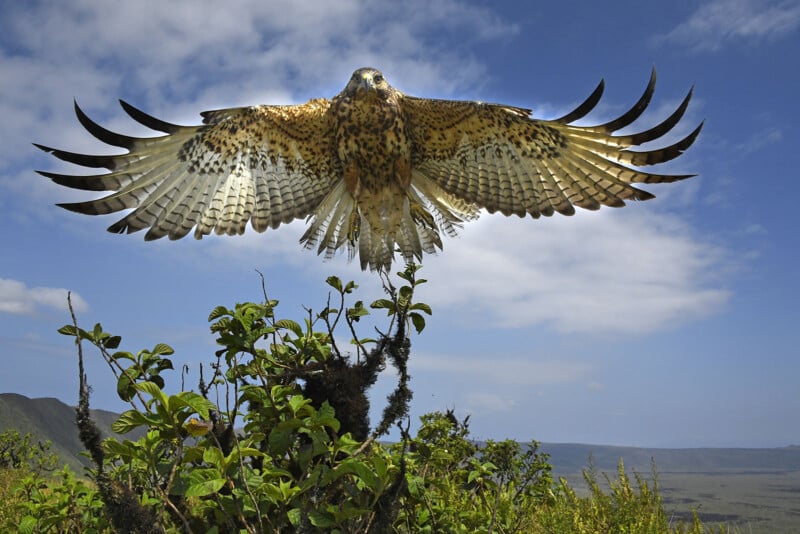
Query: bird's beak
x,y
365,81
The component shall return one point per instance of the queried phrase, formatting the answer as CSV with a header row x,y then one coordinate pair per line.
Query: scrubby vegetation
x,y
277,439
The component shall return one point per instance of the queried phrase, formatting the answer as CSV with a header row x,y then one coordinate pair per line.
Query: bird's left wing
x,y
499,158
264,164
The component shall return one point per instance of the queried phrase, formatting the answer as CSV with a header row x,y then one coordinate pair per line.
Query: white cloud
x,y
17,298
760,139
613,272
175,59
520,371
717,23
488,403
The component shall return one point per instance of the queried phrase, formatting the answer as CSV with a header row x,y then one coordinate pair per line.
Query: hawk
x,y
374,170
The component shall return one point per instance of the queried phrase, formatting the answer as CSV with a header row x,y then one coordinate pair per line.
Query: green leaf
x,y
244,452
297,402
418,321
472,476
288,324
422,307
360,469
27,525
294,516
155,379
151,389
279,440
321,519
113,342
154,391
326,415
380,466
126,388
197,403
67,330
383,303
357,311
163,348
113,447
219,311
203,482
335,282
350,287
130,420
404,296
122,355
213,456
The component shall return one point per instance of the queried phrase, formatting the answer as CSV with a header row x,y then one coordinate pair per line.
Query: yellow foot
x,y
420,215
354,227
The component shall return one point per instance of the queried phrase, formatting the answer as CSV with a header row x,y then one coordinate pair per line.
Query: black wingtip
x,y
664,126
75,207
104,135
83,182
84,160
636,111
583,109
148,120
44,148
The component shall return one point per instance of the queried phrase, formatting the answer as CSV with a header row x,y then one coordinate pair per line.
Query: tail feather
x,y
408,222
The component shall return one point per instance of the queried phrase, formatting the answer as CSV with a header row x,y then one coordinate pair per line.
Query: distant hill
x,y
754,490
572,458
51,419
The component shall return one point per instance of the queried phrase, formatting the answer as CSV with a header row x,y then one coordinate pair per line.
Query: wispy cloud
x,y
17,298
521,371
203,55
718,23
605,272
761,139
481,403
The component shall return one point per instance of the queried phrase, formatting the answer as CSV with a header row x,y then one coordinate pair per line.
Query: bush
x,y
287,447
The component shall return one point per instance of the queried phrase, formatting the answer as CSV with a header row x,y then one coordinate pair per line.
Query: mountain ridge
x,y
51,419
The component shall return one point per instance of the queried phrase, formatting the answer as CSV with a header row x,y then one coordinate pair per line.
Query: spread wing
x,y
264,164
499,158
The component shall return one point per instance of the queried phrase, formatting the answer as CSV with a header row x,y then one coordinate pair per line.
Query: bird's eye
x,y
378,78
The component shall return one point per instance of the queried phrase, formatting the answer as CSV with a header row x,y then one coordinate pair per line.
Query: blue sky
x,y
669,323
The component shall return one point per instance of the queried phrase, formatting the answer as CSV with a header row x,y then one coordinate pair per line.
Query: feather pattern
x,y
373,170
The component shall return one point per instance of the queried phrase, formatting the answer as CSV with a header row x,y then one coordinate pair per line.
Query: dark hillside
x,y
50,419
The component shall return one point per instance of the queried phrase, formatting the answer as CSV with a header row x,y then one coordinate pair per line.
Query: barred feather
x,y
373,170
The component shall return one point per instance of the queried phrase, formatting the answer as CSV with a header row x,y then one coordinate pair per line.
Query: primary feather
x,y
374,170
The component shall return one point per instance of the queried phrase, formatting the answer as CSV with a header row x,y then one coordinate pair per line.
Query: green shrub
x,y
286,446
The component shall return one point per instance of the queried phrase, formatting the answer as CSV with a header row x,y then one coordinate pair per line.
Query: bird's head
x,y
368,80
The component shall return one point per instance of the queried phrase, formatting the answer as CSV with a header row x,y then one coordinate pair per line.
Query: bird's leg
x,y
354,226
420,215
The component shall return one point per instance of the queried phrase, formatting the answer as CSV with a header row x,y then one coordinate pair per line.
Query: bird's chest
x,y
373,144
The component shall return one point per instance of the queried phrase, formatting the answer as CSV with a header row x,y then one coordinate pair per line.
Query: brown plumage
x,y
373,169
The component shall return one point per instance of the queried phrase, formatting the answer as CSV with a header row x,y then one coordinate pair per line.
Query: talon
x,y
421,216
354,228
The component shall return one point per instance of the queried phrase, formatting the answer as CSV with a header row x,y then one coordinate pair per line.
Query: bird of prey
x,y
374,170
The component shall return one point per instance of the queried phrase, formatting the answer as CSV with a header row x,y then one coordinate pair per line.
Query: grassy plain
x,y
744,500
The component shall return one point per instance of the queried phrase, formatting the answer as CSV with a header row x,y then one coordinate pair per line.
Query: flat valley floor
x,y
749,501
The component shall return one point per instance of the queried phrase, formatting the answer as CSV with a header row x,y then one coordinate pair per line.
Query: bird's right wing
x,y
264,164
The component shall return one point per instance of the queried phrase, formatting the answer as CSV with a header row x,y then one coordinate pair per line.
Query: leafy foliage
x,y
17,451
286,445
